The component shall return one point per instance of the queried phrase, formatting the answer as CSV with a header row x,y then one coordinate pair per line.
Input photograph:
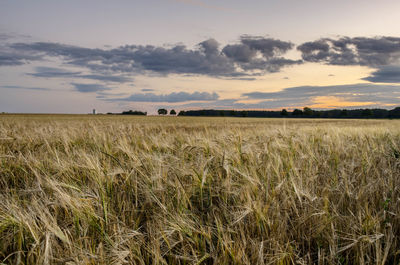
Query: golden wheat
x,y
178,190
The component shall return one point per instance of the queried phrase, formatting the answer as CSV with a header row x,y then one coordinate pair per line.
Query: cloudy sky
x,y
76,55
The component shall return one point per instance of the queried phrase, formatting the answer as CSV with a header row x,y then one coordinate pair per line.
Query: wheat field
x,y
102,189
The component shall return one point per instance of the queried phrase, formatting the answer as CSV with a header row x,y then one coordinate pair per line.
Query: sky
x,y
77,55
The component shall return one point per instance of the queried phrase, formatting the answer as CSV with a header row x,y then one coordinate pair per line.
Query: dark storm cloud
x,y
251,54
352,51
386,74
171,98
51,72
89,88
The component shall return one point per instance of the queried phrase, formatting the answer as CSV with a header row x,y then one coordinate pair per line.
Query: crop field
x,y
108,189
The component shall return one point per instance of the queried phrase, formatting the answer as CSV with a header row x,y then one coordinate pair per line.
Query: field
x,y
80,189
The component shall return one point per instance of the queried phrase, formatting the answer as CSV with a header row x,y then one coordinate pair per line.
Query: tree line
x,y
306,112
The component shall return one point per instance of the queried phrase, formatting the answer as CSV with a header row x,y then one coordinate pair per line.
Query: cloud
x,y
239,52
305,95
147,89
250,57
90,88
51,72
291,97
5,36
343,96
106,95
242,78
386,74
209,47
10,57
259,53
171,98
268,47
364,51
27,88
107,78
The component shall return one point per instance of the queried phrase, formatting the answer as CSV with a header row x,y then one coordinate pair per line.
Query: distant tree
x,y
366,113
172,112
332,113
297,112
307,111
245,113
394,113
181,113
133,112
162,112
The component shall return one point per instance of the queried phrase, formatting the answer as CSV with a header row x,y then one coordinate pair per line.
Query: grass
x,y
180,190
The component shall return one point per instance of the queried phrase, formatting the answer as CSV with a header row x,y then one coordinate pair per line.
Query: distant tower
x,y
94,111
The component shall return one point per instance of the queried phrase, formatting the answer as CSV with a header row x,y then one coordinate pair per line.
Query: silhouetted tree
x,y
297,112
394,113
284,112
366,113
307,111
333,113
172,112
132,112
162,112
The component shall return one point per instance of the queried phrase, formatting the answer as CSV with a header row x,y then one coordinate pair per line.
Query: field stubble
x,y
176,190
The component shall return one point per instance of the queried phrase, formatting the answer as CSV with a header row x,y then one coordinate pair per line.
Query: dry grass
x,y
176,190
